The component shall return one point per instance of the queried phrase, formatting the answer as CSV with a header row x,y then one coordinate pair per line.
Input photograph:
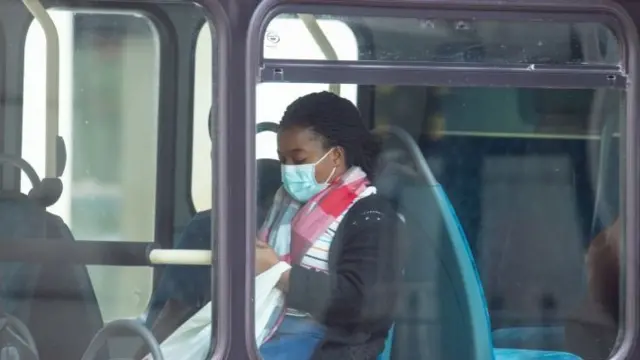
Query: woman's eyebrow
x,y
290,151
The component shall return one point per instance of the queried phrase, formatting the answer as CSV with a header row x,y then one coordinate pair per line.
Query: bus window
x,y
502,193
519,197
109,74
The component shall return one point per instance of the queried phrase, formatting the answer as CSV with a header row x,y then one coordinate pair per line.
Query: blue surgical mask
x,y
300,180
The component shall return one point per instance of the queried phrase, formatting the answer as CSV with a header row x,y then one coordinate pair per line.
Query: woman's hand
x,y
283,283
265,257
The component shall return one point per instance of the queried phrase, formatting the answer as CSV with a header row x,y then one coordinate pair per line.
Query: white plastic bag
x,y
268,297
192,339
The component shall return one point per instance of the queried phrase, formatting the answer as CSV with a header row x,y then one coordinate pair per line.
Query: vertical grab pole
x,y
321,39
598,117
52,84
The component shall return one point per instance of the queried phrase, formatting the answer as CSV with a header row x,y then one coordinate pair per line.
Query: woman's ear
x,y
338,156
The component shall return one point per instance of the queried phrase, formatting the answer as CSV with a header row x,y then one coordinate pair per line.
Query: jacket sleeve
x,y
364,272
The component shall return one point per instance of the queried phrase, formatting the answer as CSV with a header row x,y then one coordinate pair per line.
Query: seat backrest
x,y
529,213
522,200
442,312
269,181
55,301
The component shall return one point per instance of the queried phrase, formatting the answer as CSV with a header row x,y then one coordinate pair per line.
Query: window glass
x,y
272,101
272,98
296,37
534,188
202,95
509,112
494,230
109,75
443,40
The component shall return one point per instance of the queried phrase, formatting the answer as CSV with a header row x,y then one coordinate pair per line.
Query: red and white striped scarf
x,y
291,227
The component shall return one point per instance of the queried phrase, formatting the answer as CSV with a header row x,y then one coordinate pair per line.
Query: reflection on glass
x,y
440,40
500,112
109,73
495,261
272,100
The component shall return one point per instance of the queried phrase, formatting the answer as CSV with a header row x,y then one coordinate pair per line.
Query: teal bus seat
x,y
530,337
522,354
467,297
386,353
443,312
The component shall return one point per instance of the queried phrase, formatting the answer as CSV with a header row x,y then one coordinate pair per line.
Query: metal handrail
x,y
52,96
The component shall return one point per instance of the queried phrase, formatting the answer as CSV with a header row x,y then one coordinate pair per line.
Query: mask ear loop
x,y
331,175
326,182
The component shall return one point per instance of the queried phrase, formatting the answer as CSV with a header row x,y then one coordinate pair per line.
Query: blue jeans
x,y
296,339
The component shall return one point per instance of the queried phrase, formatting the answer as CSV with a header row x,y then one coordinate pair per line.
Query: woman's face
x,y
297,146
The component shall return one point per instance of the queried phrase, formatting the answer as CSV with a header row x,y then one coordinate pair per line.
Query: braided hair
x,y
339,123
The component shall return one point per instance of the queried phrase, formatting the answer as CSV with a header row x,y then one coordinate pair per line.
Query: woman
x,y
591,333
338,238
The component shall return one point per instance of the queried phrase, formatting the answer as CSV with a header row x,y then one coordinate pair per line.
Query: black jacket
x,y
356,299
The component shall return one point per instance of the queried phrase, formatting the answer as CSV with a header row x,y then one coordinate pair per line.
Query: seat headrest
x,y
392,178
269,179
48,192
